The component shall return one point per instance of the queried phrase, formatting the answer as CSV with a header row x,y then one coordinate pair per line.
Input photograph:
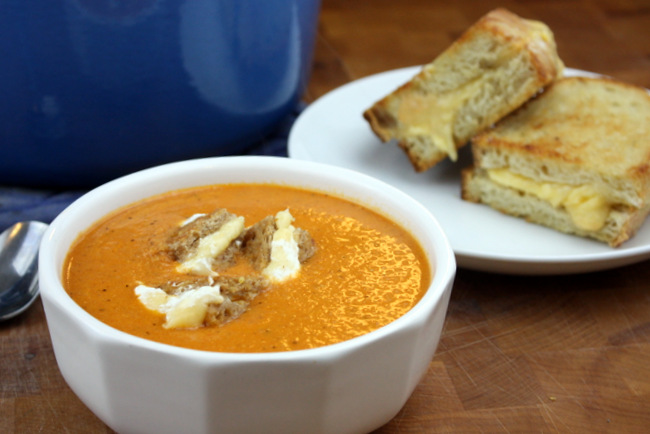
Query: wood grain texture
x,y
539,354
564,354
360,38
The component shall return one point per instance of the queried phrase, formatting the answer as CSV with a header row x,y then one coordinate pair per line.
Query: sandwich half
x,y
576,159
493,68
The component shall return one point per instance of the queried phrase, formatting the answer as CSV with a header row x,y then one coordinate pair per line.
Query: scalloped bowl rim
x,y
49,269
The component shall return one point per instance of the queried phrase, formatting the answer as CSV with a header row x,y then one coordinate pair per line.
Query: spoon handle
x,y
19,267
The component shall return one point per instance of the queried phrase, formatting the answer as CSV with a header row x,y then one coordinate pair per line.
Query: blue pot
x,y
94,89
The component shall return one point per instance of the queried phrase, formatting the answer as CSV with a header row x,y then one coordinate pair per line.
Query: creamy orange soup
x,y
367,271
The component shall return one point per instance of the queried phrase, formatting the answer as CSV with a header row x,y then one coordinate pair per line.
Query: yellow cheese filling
x,y
587,206
432,115
187,309
210,247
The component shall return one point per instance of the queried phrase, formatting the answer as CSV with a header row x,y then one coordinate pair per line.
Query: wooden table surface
x,y
518,354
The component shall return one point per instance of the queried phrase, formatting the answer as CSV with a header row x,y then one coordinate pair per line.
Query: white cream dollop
x,y
284,250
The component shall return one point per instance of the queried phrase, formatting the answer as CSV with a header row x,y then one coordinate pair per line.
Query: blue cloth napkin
x,y
20,204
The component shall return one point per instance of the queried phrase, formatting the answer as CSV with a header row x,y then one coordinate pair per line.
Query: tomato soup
x,y
367,270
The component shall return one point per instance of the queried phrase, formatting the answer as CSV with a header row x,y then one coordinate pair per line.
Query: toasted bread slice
x,y
575,158
493,68
203,301
207,242
259,242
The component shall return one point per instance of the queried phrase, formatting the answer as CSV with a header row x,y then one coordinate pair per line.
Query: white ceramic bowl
x,y
139,386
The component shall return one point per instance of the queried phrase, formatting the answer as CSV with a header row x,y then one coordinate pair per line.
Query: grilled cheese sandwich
x,y
575,158
492,69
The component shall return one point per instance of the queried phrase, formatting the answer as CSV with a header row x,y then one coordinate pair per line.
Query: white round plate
x,y
332,130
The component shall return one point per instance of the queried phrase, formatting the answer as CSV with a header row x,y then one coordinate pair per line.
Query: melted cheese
x,y
284,250
587,206
432,115
185,310
210,247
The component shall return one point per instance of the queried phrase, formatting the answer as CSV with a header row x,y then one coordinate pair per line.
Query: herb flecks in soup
x,y
366,272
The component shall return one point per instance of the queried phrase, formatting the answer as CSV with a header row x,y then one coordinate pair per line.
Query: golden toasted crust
x,y
580,131
493,68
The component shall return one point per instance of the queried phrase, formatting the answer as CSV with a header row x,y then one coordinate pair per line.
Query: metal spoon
x,y
19,267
